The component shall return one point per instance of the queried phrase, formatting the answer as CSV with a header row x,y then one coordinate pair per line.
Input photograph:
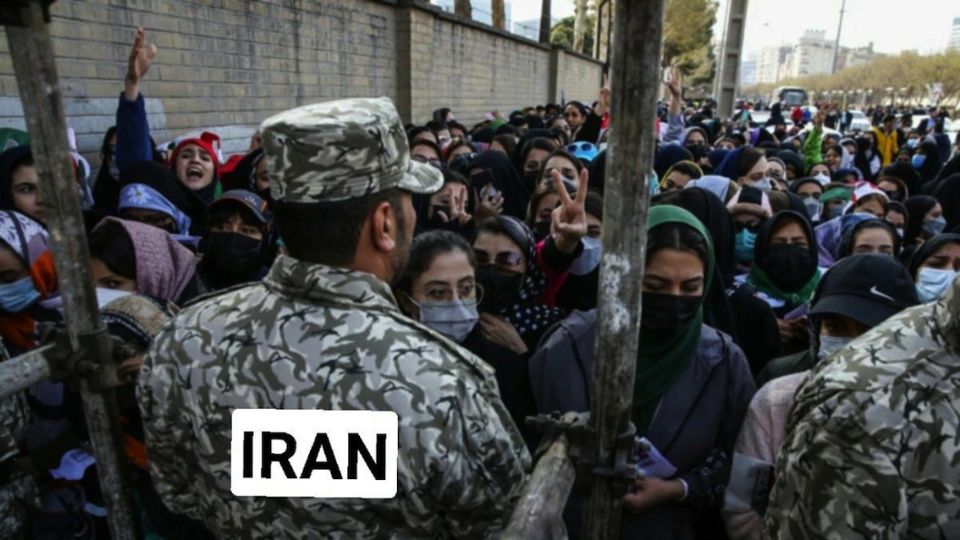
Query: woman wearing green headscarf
x,y
691,391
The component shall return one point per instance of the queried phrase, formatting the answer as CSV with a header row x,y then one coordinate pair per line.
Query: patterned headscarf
x,y
30,241
529,315
164,267
143,197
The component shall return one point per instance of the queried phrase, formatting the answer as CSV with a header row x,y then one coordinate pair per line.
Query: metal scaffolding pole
x,y
634,83
730,57
33,62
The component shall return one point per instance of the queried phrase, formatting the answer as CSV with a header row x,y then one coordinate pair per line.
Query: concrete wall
x,y
225,65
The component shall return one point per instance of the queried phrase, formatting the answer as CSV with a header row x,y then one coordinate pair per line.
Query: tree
x,y
562,34
499,18
579,24
545,21
463,8
907,75
688,37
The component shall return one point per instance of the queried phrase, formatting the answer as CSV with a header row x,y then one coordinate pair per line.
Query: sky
x,y
892,25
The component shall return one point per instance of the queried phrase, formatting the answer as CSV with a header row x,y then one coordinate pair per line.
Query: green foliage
x,y
908,71
562,33
687,39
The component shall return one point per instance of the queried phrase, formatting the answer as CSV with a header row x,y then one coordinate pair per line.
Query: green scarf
x,y
661,359
759,280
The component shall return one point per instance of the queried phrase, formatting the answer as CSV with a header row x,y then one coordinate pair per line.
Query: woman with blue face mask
x,y
934,266
926,160
28,281
439,288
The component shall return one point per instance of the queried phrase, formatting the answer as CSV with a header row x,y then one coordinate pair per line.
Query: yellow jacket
x,y
887,145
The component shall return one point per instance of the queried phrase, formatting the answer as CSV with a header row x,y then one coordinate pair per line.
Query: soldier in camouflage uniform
x,y
17,489
873,439
323,331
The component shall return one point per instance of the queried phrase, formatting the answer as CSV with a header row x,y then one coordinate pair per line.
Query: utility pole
x,y
634,83
723,47
836,44
545,21
730,57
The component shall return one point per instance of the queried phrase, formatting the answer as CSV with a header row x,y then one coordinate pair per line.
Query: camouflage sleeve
x,y
834,480
169,450
483,478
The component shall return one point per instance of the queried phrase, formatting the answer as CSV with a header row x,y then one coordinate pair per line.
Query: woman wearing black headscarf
x,y
867,158
495,169
730,307
515,280
918,208
948,193
785,274
927,163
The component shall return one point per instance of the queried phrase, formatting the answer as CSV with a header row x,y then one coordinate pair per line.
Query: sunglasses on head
x,y
581,147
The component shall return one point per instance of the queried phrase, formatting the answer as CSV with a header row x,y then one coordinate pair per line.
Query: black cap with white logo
x,y
867,288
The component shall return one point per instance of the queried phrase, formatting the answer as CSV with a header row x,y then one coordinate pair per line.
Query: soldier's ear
x,y
384,230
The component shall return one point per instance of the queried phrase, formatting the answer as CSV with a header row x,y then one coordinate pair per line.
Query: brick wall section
x,y
472,69
226,65
578,77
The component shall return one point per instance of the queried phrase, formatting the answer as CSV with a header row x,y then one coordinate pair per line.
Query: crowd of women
x,y
768,249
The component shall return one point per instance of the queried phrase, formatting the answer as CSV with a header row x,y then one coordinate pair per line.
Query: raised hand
x,y
569,220
137,65
603,100
674,84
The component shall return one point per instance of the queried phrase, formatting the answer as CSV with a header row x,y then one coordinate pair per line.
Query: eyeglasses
x,y
503,259
439,293
423,159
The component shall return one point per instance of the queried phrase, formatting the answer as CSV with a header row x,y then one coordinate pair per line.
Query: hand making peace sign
x,y
569,220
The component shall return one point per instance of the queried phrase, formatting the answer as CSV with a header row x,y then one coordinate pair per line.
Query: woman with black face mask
x,y
691,391
439,288
730,306
238,249
516,276
785,274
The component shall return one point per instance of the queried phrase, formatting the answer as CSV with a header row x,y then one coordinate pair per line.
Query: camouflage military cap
x,y
340,150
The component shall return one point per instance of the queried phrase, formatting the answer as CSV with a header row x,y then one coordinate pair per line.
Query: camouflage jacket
x,y
873,443
316,337
17,488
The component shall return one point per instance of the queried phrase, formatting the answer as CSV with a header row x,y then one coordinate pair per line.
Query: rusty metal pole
x,y
33,61
634,84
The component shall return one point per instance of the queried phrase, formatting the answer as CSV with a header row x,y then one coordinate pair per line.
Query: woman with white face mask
x,y
934,266
439,288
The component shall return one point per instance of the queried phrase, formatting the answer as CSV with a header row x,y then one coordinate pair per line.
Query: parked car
x,y
860,122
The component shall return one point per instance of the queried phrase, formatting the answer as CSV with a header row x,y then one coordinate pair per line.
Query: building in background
x,y
850,57
771,64
748,70
813,55
529,28
954,42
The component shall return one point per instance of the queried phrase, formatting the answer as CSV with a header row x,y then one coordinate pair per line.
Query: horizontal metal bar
x,y
539,511
18,374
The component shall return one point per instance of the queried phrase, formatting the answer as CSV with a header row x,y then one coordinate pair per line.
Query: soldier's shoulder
x,y
433,347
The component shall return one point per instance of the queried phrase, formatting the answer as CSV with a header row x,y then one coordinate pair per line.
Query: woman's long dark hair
x,y
427,247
